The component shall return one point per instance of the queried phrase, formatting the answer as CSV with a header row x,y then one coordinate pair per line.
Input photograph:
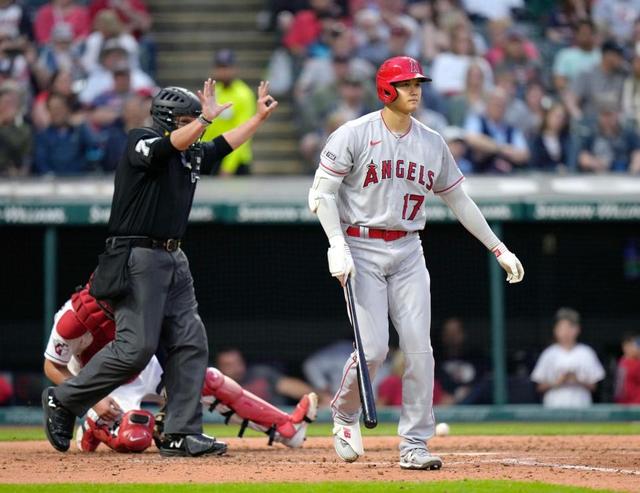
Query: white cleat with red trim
x,y
347,441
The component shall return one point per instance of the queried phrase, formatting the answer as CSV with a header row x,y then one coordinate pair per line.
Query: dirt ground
x,y
611,462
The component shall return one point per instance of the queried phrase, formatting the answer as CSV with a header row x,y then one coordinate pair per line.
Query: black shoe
x,y
191,446
58,421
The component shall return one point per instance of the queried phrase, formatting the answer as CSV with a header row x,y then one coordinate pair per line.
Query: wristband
x,y
204,121
499,250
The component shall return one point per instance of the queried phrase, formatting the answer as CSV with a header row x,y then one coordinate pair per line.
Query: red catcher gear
x,y
397,69
133,434
246,405
96,318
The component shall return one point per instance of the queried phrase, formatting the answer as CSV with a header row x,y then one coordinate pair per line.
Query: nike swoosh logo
x,y
374,142
136,439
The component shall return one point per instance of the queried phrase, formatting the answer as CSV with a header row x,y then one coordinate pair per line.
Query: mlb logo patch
x,y
330,155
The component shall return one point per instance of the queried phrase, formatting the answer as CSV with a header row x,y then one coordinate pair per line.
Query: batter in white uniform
x,y
369,192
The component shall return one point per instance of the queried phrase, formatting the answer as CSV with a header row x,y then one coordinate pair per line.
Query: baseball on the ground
x,y
442,429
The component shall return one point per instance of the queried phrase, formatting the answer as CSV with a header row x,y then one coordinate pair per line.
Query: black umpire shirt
x,y
155,184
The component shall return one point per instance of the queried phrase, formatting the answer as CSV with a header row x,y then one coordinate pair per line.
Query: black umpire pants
x,y
160,310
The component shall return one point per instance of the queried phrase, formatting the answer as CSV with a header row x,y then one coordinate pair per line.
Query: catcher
x,y
85,325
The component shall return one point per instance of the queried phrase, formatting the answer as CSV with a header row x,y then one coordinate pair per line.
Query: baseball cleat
x,y
420,458
347,441
86,441
191,446
58,421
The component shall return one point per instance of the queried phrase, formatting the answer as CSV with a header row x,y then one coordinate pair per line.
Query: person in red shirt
x,y
628,373
134,14
61,11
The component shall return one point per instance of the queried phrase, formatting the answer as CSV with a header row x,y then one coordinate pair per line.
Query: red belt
x,y
380,234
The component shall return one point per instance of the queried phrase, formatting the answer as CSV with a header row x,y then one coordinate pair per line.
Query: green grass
x,y
464,486
390,429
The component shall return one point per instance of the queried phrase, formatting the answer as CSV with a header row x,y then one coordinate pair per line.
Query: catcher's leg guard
x,y
244,404
305,412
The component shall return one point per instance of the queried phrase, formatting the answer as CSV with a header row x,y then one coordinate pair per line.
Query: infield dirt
x,y
611,462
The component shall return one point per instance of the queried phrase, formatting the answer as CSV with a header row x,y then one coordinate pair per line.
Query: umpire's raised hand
x,y
266,102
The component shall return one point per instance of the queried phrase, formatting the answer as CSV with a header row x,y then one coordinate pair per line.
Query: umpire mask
x,y
172,102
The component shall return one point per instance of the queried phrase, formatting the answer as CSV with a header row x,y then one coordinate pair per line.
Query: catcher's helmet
x,y
397,69
172,102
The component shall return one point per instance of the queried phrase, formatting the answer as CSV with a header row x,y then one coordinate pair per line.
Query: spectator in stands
x,y
570,62
311,143
459,369
62,148
536,101
601,81
449,69
112,57
563,19
615,18
455,139
493,10
471,100
394,15
323,368
495,145
133,115
15,134
610,146
134,15
502,33
351,96
108,105
13,64
6,389
107,26
57,11
61,82
307,26
390,389
264,381
627,390
515,58
567,372
631,93
61,54
15,19
551,146
371,37
230,88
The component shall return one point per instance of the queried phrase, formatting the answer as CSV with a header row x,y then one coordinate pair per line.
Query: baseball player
x,y
83,326
368,192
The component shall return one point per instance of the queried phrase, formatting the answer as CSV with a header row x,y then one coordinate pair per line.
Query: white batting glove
x,y
341,263
510,263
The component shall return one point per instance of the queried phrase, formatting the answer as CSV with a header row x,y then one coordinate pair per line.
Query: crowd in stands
x,y
517,84
74,77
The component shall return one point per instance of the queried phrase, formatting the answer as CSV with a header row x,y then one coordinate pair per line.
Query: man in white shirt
x,y
567,372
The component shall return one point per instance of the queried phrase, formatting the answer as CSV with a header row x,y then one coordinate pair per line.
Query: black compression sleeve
x,y
215,150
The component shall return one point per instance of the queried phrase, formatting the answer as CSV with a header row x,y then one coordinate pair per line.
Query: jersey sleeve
x,y
213,152
148,150
59,349
450,175
338,154
542,371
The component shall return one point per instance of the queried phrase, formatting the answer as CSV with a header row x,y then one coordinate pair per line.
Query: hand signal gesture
x,y
266,103
210,107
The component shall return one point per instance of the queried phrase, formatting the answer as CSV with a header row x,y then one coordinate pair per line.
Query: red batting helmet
x,y
397,69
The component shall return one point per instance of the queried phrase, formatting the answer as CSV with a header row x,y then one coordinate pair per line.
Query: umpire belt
x,y
169,244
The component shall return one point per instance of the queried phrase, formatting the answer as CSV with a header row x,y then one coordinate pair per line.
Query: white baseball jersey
x,y
555,361
387,176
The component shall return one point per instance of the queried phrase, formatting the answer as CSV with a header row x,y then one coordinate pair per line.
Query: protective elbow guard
x,y
324,187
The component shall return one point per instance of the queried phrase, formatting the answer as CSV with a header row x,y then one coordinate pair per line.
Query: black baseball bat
x,y
364,380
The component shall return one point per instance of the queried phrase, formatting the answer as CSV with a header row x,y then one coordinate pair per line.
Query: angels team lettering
x,y
409,171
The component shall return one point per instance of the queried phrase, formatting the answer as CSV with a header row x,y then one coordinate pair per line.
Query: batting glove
x,y
510,263
341,263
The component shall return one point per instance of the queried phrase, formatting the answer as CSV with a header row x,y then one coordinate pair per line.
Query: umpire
x,y
146,275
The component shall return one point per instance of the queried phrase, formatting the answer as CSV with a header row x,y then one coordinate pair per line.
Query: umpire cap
x,y
172,102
